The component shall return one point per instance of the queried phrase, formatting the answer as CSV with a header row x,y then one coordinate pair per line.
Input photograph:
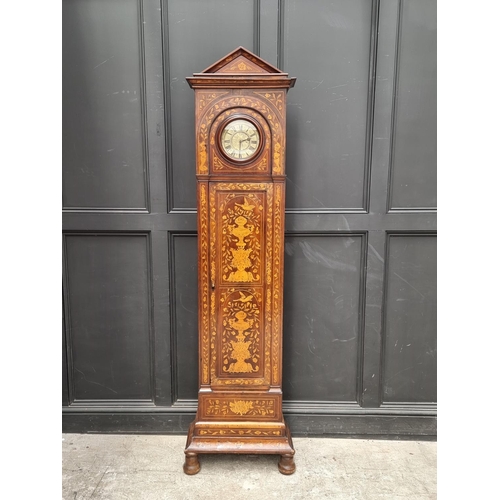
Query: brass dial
x,y
240,140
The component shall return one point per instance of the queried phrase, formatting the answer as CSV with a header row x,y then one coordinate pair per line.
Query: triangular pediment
x,y
240,62
241,69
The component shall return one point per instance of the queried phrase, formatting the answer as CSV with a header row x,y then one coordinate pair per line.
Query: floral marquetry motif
x,y
241,65
275,98
256,407
240,165
205,98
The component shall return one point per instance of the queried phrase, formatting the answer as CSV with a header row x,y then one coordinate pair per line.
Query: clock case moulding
x,y
240,263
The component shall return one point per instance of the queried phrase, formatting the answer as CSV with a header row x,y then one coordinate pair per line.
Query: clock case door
x,y
241,237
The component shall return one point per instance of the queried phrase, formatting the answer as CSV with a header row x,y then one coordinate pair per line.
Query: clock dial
x,y
240,140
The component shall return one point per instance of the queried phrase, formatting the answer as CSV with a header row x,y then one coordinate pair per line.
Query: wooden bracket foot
x,y
286,465
192,464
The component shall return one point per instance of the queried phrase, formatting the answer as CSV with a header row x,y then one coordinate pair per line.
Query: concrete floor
x,y
135,467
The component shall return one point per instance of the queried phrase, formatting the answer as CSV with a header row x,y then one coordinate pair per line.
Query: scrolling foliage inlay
x,y
277,302
240,432
276,98
203,218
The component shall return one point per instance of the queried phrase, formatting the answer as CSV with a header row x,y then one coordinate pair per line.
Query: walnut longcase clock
x,y
240,169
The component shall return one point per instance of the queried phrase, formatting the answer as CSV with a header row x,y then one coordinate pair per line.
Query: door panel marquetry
x,y
241,334
240,407
242,230
241,219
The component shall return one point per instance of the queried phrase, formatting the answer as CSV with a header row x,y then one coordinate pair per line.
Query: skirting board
x,y
360,426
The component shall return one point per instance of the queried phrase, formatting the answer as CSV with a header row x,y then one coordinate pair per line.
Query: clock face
x,y
240,140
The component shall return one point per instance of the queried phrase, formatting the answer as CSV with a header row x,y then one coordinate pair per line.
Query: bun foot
x,y
192,464
286,465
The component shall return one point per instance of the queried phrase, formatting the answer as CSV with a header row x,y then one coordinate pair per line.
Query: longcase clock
x,y
240,169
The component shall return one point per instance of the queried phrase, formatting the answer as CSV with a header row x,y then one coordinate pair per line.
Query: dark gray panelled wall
x,y
360,266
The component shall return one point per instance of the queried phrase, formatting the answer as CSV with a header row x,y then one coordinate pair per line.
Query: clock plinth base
x,y
229,437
